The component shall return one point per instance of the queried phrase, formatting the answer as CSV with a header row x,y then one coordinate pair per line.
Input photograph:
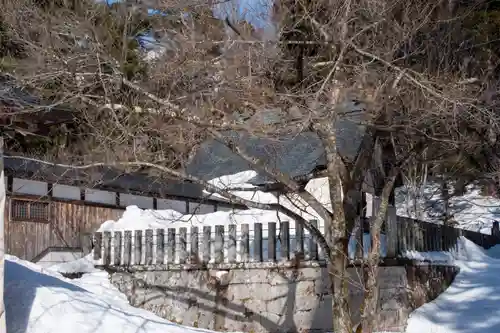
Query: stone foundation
x,y
276,299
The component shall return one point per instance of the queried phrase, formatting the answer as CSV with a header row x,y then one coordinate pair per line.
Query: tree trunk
x,y
369,313
3,327
336,232
445,194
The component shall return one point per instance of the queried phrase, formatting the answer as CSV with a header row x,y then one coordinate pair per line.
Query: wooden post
x,y
359,232
495,229
97,246
411,233
182,245
138,247
271,241
285,240
439,238
313,246
160,246
391,232
3,327
127,247
299,240
231,243
106,241
117,245
207,232
171,245
149,247
219,244
194,248
245,243
257,251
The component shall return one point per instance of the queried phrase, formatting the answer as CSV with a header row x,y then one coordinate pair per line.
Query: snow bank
x,y
465,250
470,304
41,301
472,211
82,265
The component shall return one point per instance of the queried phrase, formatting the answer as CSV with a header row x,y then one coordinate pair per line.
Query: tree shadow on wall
x,y
273,314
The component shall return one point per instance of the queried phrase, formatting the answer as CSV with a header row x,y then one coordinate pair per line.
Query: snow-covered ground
x,y
471,211
471,303
42,301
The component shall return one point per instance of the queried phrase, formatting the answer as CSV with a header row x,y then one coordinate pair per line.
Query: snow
x,y
472,211
470,304
42,301
82,265
39,300
135,218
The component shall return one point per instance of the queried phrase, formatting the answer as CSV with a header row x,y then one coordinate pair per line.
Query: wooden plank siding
x,y
68,222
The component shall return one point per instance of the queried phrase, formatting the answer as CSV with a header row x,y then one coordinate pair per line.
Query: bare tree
x,y
404,63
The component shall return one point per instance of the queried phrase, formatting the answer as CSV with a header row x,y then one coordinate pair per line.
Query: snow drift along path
x,y
472,303
42,301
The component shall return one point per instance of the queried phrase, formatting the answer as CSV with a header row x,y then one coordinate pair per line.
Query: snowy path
x,y
471,304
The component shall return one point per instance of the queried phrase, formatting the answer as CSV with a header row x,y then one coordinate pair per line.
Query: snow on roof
x,y
135,218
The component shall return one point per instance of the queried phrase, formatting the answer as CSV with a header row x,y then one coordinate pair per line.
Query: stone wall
x,y
275,299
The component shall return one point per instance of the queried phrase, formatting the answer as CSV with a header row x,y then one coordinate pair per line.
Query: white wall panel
x,y
26,186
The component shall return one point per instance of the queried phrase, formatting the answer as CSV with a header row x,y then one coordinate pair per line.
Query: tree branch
x,y
211,188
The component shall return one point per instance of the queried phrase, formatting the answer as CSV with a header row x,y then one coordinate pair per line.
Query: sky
x,y
253,11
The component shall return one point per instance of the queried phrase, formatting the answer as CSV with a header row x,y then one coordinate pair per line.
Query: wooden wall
x,y
69,221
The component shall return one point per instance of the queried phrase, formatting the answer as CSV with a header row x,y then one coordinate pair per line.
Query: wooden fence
x,y
268,242
219,244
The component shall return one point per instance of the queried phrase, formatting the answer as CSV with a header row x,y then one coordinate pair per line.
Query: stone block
x,y
277,291
312,273
307,303
238,292
391,277
322,287
262,300
394,299
269,322
248,276
253,305
306,319
279,306
206,320
304,289
321,319
391,321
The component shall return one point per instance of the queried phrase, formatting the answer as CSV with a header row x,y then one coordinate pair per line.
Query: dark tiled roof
x,y
296,155
103,178
15,97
